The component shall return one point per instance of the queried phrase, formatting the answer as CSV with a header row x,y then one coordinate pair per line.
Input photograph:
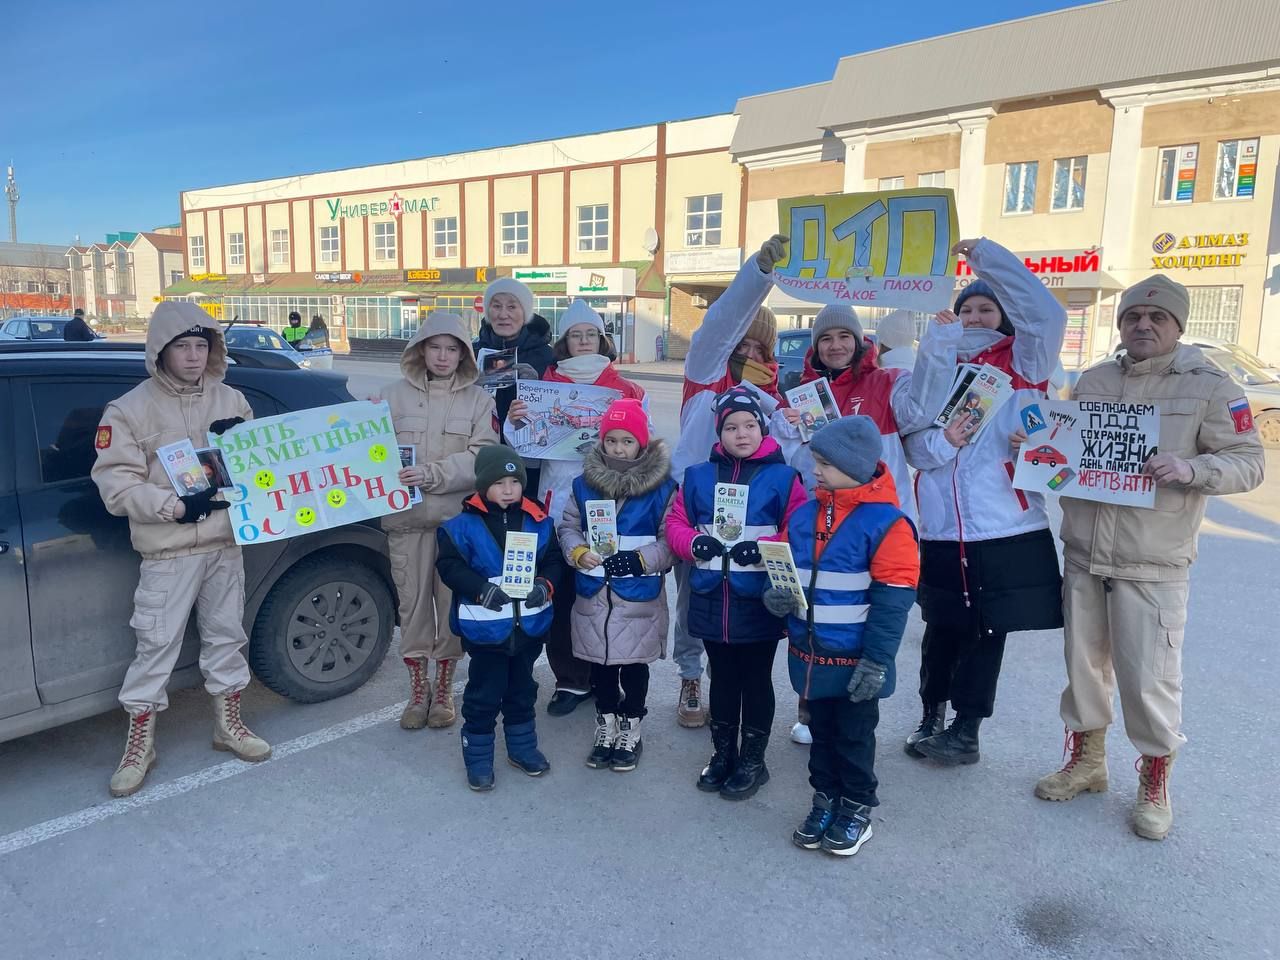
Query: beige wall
x,y
912,157
450,205
512,195
699,176
478,219
796,180
639,191
1047,229
592,186
551,218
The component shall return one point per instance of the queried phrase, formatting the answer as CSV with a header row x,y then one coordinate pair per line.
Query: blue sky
x,y
112,108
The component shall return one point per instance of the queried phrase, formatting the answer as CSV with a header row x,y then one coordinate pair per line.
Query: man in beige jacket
x,y
1126,578
189,557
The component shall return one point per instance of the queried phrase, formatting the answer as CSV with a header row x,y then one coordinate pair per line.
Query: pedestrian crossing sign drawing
x,y
1032,419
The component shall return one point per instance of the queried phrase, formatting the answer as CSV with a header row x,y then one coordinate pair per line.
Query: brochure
x,y
215,468
816,404
781,567
409,458
497,368
518,562
978,392
602,527
183,467
730,511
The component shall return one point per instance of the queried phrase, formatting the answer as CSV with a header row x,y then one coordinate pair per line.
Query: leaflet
x,y
409,458
816,404
730,511
497,368
183,468
602,527
781,567
978,392
518,562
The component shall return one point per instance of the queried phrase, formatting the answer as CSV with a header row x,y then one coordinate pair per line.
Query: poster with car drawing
x,y
563,421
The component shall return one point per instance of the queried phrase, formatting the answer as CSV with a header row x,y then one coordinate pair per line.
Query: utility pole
x,y
11,191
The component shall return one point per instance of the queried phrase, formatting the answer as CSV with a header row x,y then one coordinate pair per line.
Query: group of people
x,y
881,510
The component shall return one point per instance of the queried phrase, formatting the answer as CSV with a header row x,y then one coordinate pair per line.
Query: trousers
x,y
686,650
424,599
961,664
843,753
571,674
498,683
742,683
632,678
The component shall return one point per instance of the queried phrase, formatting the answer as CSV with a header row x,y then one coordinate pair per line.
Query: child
x,y
503,636
727,580
439,412
620,615
855,553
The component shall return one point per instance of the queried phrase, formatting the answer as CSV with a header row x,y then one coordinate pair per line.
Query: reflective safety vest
x,y
294,334
478,624
639,520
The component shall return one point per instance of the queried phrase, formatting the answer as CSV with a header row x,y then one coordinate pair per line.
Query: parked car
x,y
1045,454
792,347
68,572
33,328
252,336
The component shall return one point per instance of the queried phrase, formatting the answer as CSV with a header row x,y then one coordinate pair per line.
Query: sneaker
x,y
809,834
626,752
850,829
606,735
691,712
800,733
564,702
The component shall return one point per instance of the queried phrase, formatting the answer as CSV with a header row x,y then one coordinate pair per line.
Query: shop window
x,y
593,227
1237,165
938,178
51,288
384,241
235,249
445,230
1215,312
892,183
1176,173
515,234
329,244
279,247
197,253
1020,187
702,220
175,276
1068,183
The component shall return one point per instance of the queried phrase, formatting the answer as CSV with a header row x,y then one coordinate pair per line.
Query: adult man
x,y
1125,586
294,333
76,330
189,557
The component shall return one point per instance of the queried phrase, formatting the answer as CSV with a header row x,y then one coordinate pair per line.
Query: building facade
x,y
33,280
125,277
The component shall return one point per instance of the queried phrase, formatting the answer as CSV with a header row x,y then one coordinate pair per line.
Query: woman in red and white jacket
x,y
988,562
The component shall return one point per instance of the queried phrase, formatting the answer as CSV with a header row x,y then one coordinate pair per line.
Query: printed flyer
x,y
602,527
781,567
730,511
519,560
816,404
978,392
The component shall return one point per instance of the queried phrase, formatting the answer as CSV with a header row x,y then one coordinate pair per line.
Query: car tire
x,y
290,650
1268,426
1035,463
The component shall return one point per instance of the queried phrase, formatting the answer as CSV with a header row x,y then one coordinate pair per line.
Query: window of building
x,y
329,244
384,241
52,288
937,178
1176,173
124,276
1237,166
174,276
279,247
235,249
33,286
197,254
462,306
1215,312
515,233
445,231
702,220
274,311
892,183
1020,187
375,318
593,227
1068,183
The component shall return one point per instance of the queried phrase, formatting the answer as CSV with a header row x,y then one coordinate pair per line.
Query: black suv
x,y
68,572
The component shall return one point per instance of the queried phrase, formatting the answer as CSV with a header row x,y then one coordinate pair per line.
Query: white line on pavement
x,y
193,781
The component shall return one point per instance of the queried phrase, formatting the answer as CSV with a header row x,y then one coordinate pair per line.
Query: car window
x,y
67,414
45,330
1239,365
19,328
793,346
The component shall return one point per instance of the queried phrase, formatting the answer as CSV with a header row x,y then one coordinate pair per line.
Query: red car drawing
x,y
1045,454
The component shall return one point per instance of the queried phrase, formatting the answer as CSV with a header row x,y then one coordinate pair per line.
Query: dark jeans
x,y
961,665
742,682
634,680
843,754
497,682
571,673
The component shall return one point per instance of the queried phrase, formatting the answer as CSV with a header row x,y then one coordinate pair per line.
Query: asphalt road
x,y
360,840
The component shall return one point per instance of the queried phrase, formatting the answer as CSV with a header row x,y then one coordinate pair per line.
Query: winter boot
x,y
1153,813
751,773
230,733
442,712
606,734
626,754
139,755
957,744
522,748
850,829
414,716
809,834
477,754
932,723
724,737
1086,769
690,712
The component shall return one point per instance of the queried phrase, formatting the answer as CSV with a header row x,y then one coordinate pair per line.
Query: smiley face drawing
x,y
336,498
377,453
305,516
264,479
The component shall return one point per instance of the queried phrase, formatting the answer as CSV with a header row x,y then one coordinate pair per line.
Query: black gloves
x,y
200,505
779,602
868,678
706,548
745,554
625,563
493,598
538,594
219,427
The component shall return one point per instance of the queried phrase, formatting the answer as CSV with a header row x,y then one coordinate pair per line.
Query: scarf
x,y
976,339
585,368
762,375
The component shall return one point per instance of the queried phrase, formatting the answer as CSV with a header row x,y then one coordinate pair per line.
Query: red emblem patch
x,y
1241,415
102,439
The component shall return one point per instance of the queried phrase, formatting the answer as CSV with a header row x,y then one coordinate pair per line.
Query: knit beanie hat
x,y
495,462
896,329
836,316
764,330
1158,291
982,288
523,295
204,333
852,445
738,400
628,415
577,314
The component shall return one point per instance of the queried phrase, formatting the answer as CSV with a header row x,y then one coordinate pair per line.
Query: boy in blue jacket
x,y
857,558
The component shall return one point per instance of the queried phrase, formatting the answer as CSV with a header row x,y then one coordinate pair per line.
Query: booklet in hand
x,y
978,392
183,468
816,404
497,368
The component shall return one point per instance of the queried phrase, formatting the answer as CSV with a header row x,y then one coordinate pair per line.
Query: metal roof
x,y
785,118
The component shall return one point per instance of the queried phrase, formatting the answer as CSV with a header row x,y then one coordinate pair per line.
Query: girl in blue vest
x,y
857,561
727,580
502,635
619,622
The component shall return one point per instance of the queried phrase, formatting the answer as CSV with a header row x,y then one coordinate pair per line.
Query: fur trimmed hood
x,y
620,479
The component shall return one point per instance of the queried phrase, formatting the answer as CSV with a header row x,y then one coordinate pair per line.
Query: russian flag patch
x,y
1241,415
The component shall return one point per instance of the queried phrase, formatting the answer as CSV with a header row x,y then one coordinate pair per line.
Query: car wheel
x,y
1035,463
323,630
1268,425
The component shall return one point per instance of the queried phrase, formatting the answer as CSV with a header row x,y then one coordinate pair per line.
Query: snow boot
x,y
932,723
442,712
690,712
606,734
1086,768
230,733
522,748
957,744
809,834
477,754
751,774
850,829
139,755
414,716
724,738
1153,813
626,753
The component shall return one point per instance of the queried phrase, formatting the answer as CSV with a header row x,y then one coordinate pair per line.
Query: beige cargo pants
x,y
1125,633
424,599
211,582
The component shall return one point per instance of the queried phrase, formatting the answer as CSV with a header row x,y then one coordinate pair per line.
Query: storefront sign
x,y
202,277
1055,268
600,282
394,205
540,274
259,278
714,260
448,275
1165,244
339,278
422,276
1187,173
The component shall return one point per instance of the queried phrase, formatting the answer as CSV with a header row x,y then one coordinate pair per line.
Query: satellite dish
x,y
650,241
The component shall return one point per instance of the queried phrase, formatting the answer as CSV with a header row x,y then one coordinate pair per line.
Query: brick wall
x,y
685,317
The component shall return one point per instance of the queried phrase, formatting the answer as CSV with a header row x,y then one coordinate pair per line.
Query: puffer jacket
x,y
1204,419
447,421
159,411
607,628
532,345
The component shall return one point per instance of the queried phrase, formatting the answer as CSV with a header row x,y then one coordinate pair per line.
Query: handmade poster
x,y
729,511
183,468
781,568
602,527
409,458
885,249
978,392
497,368
309,470
519,559
563,421
1088,449
816,405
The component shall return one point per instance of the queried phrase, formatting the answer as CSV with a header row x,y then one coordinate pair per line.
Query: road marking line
x,y
193,781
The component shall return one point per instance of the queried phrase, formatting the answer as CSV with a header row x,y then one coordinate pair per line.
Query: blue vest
x,y
477,624
826,641
639,520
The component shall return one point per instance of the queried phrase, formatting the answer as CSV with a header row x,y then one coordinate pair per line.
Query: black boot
x,y
959,744
751,774
932,723
724,737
